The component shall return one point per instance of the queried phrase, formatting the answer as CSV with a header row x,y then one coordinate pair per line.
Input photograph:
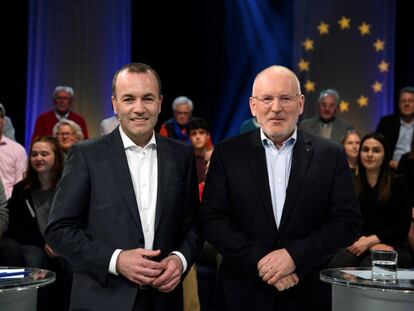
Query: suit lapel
x,y
301,156
118,163
257,162
165,161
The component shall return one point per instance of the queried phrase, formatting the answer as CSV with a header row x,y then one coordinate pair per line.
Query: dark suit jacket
x,y
95,212
389,126
320,215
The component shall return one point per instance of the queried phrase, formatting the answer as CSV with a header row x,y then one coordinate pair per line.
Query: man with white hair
x,y
177,127
327,124
63,97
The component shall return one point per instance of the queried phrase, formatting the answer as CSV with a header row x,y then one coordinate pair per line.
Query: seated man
x,y
199,131
108,125
63,97
13,159
327,124
176,127
398,128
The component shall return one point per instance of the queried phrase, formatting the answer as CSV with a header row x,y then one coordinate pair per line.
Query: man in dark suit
x,y
398,128
277,204
125,209
327,124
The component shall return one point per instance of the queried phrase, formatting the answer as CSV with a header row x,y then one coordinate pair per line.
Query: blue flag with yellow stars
x,y
347,45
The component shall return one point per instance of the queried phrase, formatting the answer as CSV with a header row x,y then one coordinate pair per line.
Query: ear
x,y
252,104
161,99
114,105
301,104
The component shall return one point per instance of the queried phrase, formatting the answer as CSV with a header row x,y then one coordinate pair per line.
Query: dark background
x,y
183,41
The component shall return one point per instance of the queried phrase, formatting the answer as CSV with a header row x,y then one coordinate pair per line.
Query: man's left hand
x,y
170,277
275,265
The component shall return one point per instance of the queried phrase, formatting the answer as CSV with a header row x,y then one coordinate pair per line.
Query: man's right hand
x,y
136,265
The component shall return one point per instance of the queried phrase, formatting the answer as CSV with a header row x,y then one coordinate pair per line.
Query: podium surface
x,y
354,289
19,292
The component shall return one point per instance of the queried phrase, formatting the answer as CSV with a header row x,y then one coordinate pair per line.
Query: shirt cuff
x,y
182,258
112,263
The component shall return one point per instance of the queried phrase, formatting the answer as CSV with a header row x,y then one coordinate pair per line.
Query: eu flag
x,y
347,45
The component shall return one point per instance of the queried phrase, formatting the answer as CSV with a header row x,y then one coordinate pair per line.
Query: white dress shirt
x,y
143,167
278,162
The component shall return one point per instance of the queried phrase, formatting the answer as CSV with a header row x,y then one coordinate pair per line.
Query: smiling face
x,y
372,155
279,118
42,157
137,103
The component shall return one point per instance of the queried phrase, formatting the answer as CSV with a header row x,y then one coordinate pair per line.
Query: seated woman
x,y
384,205
31,199
351,142
406,167
67,133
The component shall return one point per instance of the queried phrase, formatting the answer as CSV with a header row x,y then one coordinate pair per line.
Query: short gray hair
x,y
75,126
329,92
182,100
64,88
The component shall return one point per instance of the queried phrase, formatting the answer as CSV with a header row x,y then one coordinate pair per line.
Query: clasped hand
x,y
277,269
138,267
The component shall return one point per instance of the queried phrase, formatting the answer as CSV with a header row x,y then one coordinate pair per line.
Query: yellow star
x,y
377,87
379,45
310,86
323,28
343,106
308,44
303,65
344,22
362,101
383,66
364,29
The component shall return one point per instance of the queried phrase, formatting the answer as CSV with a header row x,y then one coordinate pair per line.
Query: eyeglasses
x,y
284,100
65,134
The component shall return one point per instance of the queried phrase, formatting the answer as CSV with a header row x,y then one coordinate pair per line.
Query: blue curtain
x,y
257,34
79,43
347,45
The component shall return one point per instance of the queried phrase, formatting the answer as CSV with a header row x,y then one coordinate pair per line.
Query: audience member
x,y
327,124
108,125
30,202
13,159
10,251
385,208
351,142
124,212
29,208
249,125
4,212
406,168
67,133
177,127
8,129
398,128
63,98
199,132
271,235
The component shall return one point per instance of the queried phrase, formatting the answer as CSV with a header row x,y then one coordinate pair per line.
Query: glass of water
x,y
384,265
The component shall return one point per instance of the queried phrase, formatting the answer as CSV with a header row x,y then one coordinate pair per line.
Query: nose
x,y
276,106
138,106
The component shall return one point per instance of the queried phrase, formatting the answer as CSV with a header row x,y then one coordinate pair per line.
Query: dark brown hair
x,y
384,178
31,179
